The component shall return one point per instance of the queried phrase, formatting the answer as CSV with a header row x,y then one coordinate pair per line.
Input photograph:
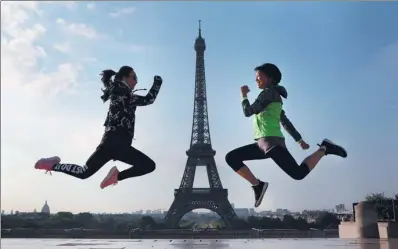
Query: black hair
x,y
271,71
106,79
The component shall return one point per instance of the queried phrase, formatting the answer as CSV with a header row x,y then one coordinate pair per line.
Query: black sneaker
x,y
259,191
333,149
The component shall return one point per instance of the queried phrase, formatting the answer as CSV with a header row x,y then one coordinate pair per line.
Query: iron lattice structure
x,y
200,153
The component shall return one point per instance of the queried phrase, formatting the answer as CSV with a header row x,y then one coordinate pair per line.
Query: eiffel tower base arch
x,y
211,199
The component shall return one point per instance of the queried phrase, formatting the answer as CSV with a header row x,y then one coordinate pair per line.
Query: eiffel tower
x,y
200,153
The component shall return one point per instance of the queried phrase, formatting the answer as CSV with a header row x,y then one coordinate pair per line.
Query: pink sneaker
x,y
47,164
111,178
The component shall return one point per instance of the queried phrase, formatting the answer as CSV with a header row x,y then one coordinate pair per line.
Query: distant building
x,y
45,208
242,212
340,208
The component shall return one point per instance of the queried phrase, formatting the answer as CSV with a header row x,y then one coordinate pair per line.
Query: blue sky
x,y
339,65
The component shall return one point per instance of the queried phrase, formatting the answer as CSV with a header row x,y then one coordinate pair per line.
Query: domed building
x,y
45,208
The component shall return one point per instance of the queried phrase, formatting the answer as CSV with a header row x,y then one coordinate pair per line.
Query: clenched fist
x,y
304,145
244,90
157,79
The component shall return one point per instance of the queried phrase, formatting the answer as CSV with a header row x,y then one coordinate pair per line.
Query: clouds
x,y
121,12
69,4
49,108
42,113
63,47
90,6
14,14
80,29
22,52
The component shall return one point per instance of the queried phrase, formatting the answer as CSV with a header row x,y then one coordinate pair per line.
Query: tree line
x,y
387,208
67,220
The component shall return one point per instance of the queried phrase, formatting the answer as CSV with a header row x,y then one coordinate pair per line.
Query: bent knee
x,y
87,174
230,157
298,176
151,166
234,161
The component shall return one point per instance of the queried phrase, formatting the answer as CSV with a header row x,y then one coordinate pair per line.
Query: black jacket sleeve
x,y
289,127
137,100
263,100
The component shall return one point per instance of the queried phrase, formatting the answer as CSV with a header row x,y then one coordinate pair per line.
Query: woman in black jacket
x,y
119,132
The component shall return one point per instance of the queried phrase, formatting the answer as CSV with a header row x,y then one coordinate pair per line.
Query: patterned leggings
x,y
115,145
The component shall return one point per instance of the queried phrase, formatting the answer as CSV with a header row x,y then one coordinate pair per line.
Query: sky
x,y
339,63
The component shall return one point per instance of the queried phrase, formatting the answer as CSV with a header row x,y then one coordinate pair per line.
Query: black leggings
x,y
279,154
114,146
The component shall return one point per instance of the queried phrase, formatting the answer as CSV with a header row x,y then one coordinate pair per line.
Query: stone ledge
x,y
387,230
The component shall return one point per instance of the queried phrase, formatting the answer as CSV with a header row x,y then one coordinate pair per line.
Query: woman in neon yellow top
x,y
269,140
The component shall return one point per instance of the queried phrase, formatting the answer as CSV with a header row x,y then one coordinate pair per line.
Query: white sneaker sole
x,y
258,202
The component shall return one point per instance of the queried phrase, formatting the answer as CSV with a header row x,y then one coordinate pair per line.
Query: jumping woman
x,y
119,132
269,140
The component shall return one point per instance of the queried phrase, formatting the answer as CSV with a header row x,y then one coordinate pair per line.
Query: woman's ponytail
x,y
107,81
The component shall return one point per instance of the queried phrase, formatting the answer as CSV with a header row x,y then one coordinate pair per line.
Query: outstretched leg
x,y
286,162
235,160
141,165
95,162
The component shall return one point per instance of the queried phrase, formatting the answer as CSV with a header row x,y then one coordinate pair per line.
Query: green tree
x,y
147,222
254,222
240,224
301,224
85,219
384,206
106,223
289,222
396,207
327,220
376,197
65,215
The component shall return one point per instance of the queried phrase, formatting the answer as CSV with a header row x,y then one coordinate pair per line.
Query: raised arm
x,y
289,127
265,98
138,100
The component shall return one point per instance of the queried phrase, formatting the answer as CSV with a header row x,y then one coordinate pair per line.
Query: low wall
x,y
232,234
165,234
387,230
63,233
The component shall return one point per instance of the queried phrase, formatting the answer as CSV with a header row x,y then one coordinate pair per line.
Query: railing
x,y
234,234
167,233
201,191
62,233
201,152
